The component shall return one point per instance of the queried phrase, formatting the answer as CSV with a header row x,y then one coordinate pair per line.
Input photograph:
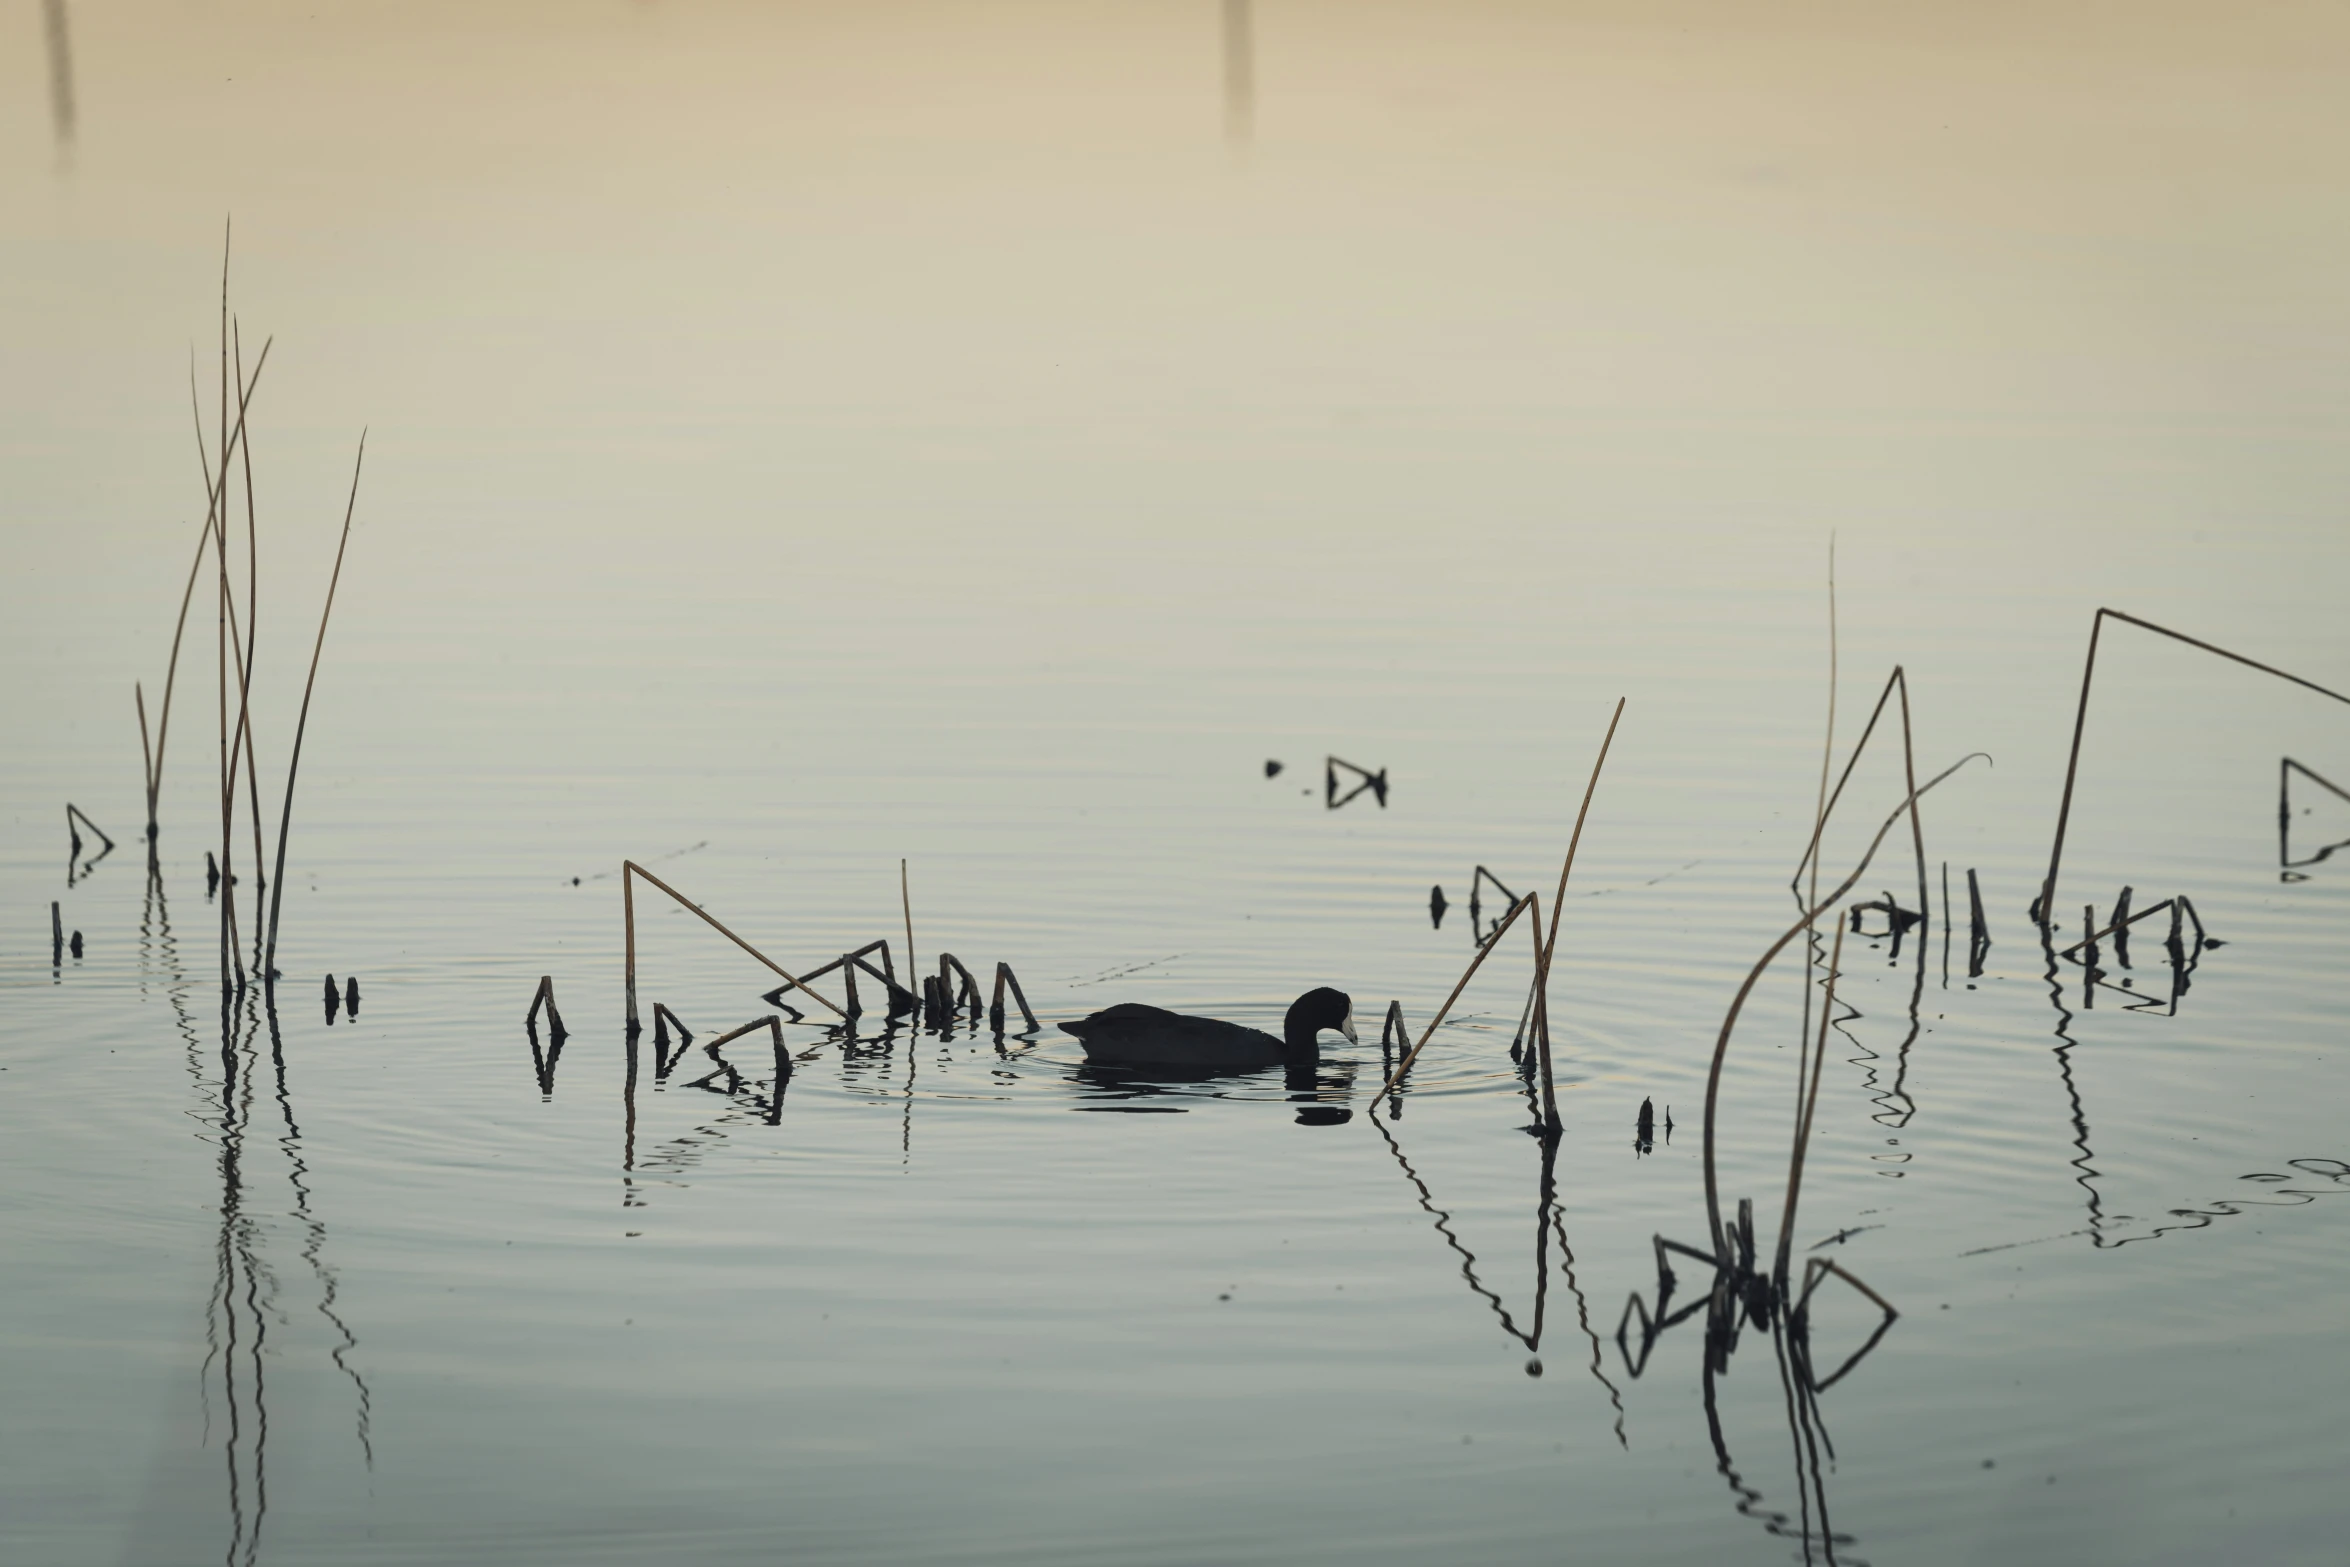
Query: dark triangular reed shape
x,y
629,870
2043,907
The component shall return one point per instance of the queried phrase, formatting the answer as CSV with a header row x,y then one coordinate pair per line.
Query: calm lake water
x,y
804,439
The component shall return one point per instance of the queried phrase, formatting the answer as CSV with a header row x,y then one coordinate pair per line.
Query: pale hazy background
x,y
805,436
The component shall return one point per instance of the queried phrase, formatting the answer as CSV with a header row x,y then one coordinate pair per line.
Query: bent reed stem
x,y
1713,1079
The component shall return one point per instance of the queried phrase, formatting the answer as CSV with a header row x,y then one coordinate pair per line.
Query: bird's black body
x,y
1132,1034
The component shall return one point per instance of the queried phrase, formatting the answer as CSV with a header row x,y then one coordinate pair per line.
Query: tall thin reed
x,y
1575,840
1819,818
1806,1102
277,879
2043,911
252,608
906,902
1549,944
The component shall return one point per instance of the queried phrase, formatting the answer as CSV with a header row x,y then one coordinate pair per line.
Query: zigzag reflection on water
x,y
246,1290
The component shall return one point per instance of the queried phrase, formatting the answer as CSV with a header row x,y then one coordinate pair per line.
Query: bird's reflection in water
x,y
1314,1086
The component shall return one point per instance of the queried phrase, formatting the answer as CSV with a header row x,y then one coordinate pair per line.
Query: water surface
x,y
807,439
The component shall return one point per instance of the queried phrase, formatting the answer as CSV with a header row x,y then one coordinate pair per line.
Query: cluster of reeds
x,y
1743,1289
943,1001
225,455
2183,947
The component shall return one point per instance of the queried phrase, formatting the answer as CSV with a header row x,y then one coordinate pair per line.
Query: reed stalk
x,y
146,761
1806,1102
629,868
906,902
1575,840
1546,945
277,879
2043,910
1898,681
246,665
995,1010
541,999
1820,805
1713,1080
961,988
734,1078
1483,952
73,812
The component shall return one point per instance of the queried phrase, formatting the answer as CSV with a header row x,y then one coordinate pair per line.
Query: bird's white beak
x,y
1346,1025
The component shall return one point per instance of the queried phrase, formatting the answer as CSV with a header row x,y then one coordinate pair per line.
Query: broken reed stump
x,y
995,1008
1477,880
901,1000
1978,928
956,990
734,1077
665,1059
542,998
2286,768
56,935
2123,919
1394,1035
542,1060
74,813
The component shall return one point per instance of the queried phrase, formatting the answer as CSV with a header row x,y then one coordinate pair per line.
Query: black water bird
x,y
1132,1034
